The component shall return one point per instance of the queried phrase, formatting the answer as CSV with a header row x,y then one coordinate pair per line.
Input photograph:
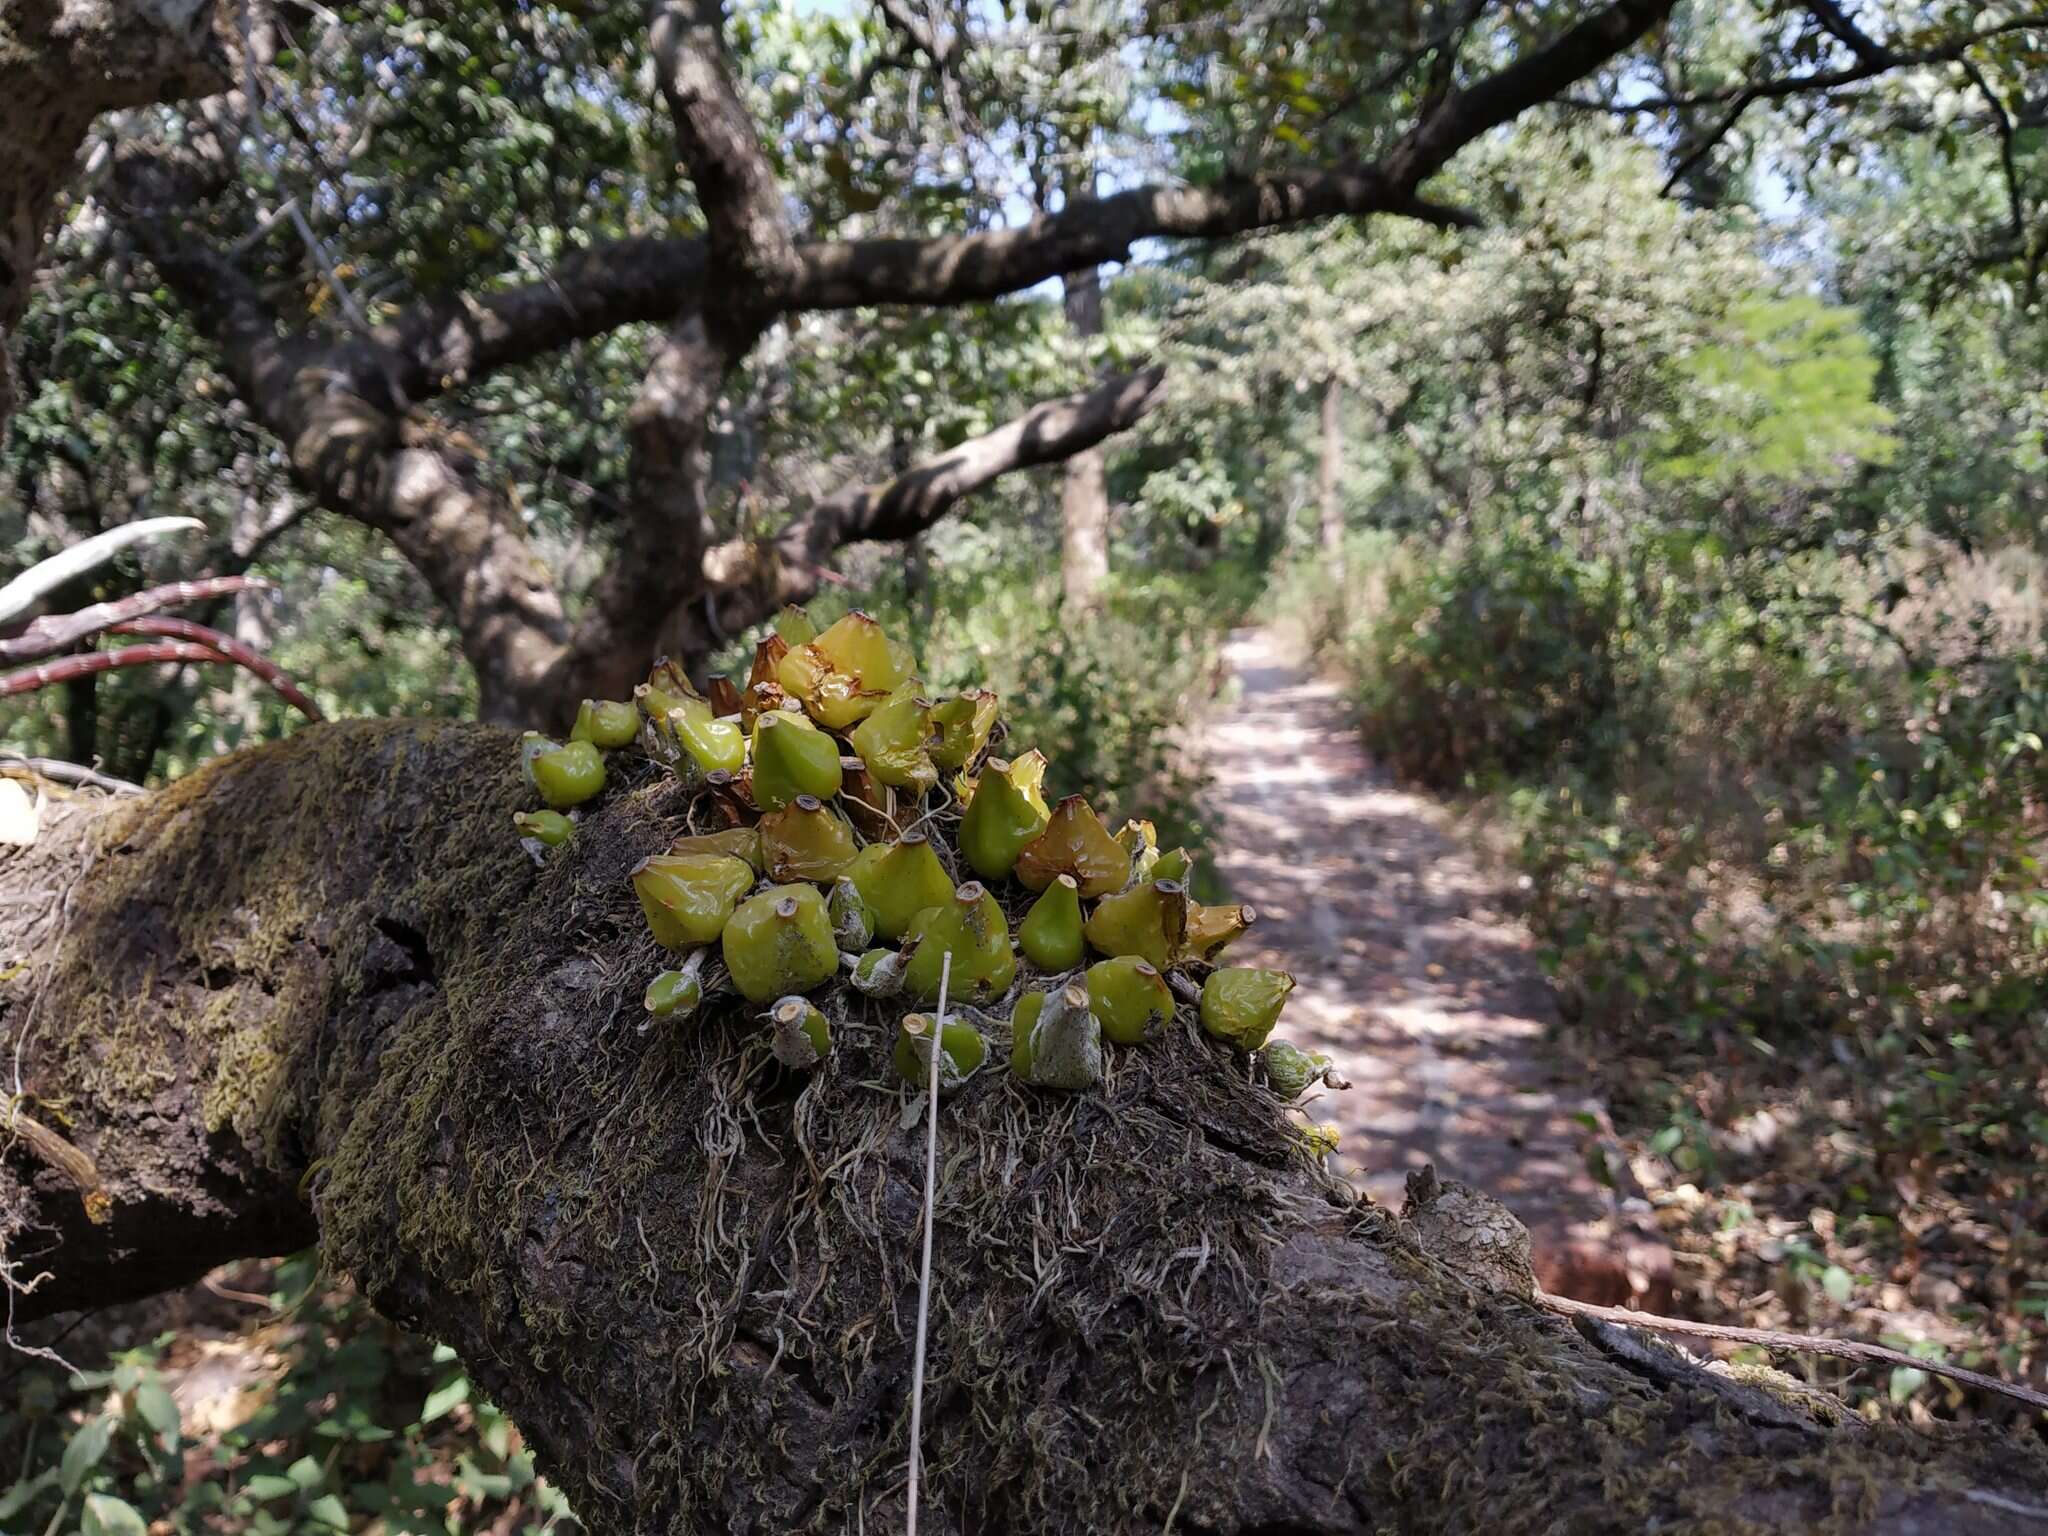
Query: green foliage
x,y
1780,855
1784,403
1497,660
361,1424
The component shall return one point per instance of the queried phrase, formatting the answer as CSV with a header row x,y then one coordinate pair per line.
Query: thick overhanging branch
x,y
447,343
1512,90
1087,232
318,989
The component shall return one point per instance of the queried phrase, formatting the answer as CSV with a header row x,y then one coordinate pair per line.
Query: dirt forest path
x,y
1427,996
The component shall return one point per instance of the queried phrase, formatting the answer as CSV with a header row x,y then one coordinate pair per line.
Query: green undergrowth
x,y
315,1417
1780,831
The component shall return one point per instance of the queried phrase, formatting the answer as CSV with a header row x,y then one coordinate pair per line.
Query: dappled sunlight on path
x,y
1427,997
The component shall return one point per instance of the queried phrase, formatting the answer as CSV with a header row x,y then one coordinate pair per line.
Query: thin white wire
x,y
924,1285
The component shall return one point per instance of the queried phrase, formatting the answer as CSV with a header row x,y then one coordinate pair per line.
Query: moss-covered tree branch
x,y
320,987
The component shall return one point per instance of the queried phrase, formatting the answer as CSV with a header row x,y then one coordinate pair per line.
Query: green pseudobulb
x,y
780,942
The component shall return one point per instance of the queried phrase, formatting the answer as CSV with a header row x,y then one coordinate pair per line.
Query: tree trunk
x,y
318,986
1084,484
1330,470
60,67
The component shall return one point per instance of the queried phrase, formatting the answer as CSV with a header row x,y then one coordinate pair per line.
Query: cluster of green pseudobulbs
x,y
868,832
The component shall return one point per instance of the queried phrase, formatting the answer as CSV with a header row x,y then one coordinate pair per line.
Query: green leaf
x,y
25,1492
1906,1380
106,1515
306,1473
1836,1282
328,1510
159,1410
84,1452
444,1398
265,1486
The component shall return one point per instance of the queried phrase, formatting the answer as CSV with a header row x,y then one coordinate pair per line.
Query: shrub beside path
x,y
1414,981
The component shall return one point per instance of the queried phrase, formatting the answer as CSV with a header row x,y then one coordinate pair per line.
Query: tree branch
x,y
230,649
1776,87
914,500
354,448
60,67
922,32
2016,207
1086,232
446,343
1843,30
1512,90
736,187
742,581
53,632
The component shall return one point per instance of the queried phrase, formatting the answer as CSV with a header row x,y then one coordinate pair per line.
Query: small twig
x,y
924,1285
65,668
228,1293
60,772
68,1160
265,225
229,647
1771,1338
53,632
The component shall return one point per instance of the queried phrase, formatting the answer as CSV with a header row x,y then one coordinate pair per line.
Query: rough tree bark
x,y
61,65
1330,470
318,988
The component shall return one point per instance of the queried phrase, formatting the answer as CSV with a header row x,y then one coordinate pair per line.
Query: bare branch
x,y
2008,130
230,649
28,679
1708,142
1086,232
446,343
1843,30
1814,82
53,632
355,449
1512,90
